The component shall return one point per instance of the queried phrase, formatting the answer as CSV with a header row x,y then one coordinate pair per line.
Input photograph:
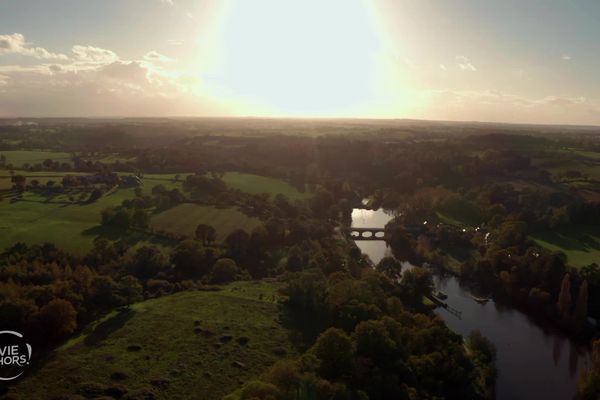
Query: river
x,y
533,361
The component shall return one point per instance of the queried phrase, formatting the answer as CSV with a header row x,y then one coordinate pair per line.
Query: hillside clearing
x,y
213,342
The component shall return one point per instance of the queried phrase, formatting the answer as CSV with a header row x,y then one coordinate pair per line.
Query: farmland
x,y
18,158
184,218
70,226
257,184
212,342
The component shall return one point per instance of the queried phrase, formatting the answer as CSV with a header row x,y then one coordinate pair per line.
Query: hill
x,y
197,344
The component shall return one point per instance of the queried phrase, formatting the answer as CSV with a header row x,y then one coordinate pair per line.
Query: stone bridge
x,y
367,233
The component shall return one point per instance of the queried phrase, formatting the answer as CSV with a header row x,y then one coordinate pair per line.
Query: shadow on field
x,y
105,328
573,240
127,238
110,233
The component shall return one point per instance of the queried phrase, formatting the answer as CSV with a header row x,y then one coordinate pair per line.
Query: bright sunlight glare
x,y
312,57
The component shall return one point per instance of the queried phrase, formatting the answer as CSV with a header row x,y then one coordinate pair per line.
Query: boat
x,y
480,300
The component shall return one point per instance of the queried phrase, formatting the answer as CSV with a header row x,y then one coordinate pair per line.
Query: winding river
x,y
533,361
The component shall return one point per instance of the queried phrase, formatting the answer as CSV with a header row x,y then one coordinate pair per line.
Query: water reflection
x,y
362,218
534,360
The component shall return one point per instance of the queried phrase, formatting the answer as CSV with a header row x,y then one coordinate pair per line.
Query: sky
x,y
522,61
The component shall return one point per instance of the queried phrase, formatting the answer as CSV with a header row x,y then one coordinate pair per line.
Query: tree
x,y
130,290
589,382
206,233
19,182
564,298
335,351
95,195
191,259
224,270
482,346
306,290
57,319
373,341
140,219
237,242
401,242
581,306
147,262
121,219
391,268
415,284
103,290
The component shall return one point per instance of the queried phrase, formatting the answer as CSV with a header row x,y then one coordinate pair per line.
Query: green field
x,y
184,218
20,157
73,227
188,345
257,184
581,245
113,158
169,181
70,226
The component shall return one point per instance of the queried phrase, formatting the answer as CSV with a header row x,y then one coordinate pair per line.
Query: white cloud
x,y
464,64
174,42
443,67
15,44
492,105
566,57
169,2
93,54
154,56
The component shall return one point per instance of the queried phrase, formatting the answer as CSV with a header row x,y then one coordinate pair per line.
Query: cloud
x,y
562,101
492,105
15,44
443,67
464,64
566,57
154,56
174,42
169,2
93,54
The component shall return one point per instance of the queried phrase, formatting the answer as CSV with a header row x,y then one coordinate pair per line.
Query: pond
x,y
534,361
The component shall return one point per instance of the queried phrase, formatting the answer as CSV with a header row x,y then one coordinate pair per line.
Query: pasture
x,y
256,184
70,226
581,245
184,218
18,158
200,344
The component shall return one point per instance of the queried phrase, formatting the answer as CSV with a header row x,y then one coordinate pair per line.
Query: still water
x,y
533,361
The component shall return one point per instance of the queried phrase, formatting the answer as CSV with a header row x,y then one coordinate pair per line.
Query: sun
x,y
290,58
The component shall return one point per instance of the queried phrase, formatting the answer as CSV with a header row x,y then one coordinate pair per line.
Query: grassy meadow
x,y
200,344
184,218
581,245
18,158
72,227
256,184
